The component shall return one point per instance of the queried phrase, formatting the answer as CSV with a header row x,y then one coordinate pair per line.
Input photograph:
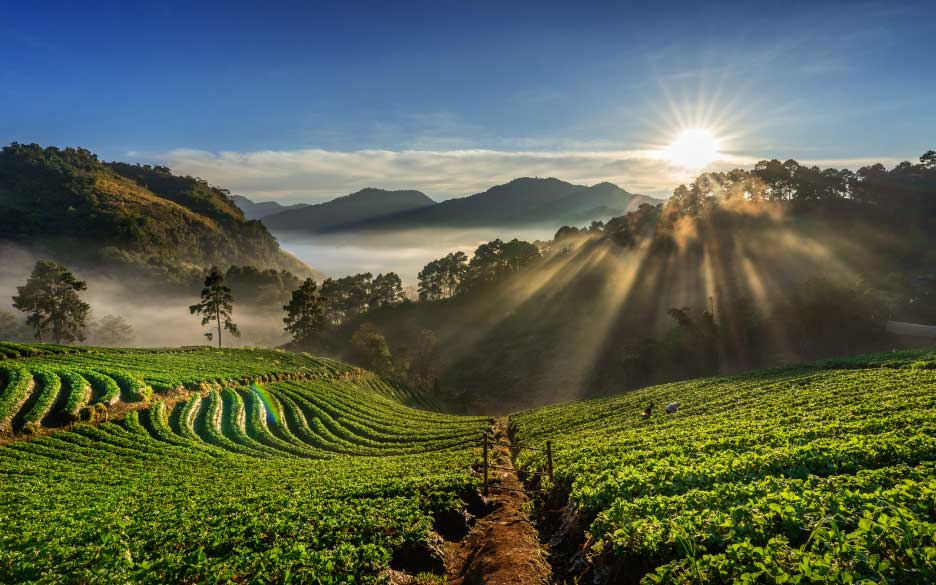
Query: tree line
x,y
54,310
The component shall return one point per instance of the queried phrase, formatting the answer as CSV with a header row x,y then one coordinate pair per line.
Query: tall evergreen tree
x,y
51,301
217,304
386,289
305,313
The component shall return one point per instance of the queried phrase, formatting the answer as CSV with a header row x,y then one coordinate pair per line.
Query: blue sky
x,y
304,100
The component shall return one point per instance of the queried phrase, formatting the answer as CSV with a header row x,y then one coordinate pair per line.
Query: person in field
x,y
647,411
672,407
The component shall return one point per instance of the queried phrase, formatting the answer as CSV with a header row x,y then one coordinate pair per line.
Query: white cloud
x,y
314,175
319,175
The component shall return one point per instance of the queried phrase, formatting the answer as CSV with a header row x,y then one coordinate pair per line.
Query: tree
x,y
441,279
370,349
928,160
112,331
11,329
305,313
386,290
50,299
346,297
217,304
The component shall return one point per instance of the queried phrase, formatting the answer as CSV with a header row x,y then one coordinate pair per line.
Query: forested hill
x,y
736,271
67,204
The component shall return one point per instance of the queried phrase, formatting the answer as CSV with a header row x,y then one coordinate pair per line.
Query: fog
x,y
158,318
402,251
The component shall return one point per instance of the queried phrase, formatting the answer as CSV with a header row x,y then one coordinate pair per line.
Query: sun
x,y
694,148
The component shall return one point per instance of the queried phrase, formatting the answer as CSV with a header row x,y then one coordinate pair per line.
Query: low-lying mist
x,y
405,252
158,318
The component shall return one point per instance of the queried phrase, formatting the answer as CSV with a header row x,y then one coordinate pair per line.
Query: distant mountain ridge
x,y
519,203
366,204
261,209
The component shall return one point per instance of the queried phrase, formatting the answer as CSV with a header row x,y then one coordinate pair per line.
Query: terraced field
x,y
263,466
244,465
824,473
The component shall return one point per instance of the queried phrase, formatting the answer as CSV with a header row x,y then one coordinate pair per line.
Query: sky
x,y
305,101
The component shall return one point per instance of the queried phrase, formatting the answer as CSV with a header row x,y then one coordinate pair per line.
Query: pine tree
x,y
50,299
217,304
305,313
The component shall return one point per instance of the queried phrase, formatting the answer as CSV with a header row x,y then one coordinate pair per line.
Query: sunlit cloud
x,y
314,175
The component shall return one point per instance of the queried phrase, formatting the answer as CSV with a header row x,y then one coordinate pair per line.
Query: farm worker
x,y
647,411
672,407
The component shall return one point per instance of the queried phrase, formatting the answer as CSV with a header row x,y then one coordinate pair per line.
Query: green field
x,y
821,473
320,474
266,466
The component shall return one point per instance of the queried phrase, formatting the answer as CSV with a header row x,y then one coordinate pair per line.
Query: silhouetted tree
x,y
217,304
305,313
51,301
386,290
440,279
346,297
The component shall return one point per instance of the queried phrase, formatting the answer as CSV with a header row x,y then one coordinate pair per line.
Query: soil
x,y
503,546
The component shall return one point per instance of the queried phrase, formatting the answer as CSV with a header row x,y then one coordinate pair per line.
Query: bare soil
x,y
503,546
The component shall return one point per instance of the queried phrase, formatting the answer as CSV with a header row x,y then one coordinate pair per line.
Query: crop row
x,y
808,474
246,483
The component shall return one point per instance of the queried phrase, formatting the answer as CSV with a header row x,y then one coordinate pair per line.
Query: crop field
x,y
818,473
264,466
261,466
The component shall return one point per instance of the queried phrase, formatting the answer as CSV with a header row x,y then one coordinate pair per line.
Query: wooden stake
x,y
485,456
549,460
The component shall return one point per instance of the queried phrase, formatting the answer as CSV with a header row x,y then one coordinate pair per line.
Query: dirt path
x,y
503,546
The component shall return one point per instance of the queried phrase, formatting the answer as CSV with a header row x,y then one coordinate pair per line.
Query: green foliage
x,y
305,313
50,300
314,480
806,474
138,217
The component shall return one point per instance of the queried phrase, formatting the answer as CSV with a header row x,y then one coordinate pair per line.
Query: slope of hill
x,y
362,206
67,204
245,464
585,204
805,474
261,209
215,463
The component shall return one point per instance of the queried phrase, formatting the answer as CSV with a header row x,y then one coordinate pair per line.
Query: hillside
x,y
363,206
244,464
813,473
237,464
739,270
67,204
259,210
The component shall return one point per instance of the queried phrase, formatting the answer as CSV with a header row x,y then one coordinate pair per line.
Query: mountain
x,y
519,203
584,204
68,205
362,206
259,210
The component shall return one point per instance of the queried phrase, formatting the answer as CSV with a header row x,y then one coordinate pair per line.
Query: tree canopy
x,y
51,300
